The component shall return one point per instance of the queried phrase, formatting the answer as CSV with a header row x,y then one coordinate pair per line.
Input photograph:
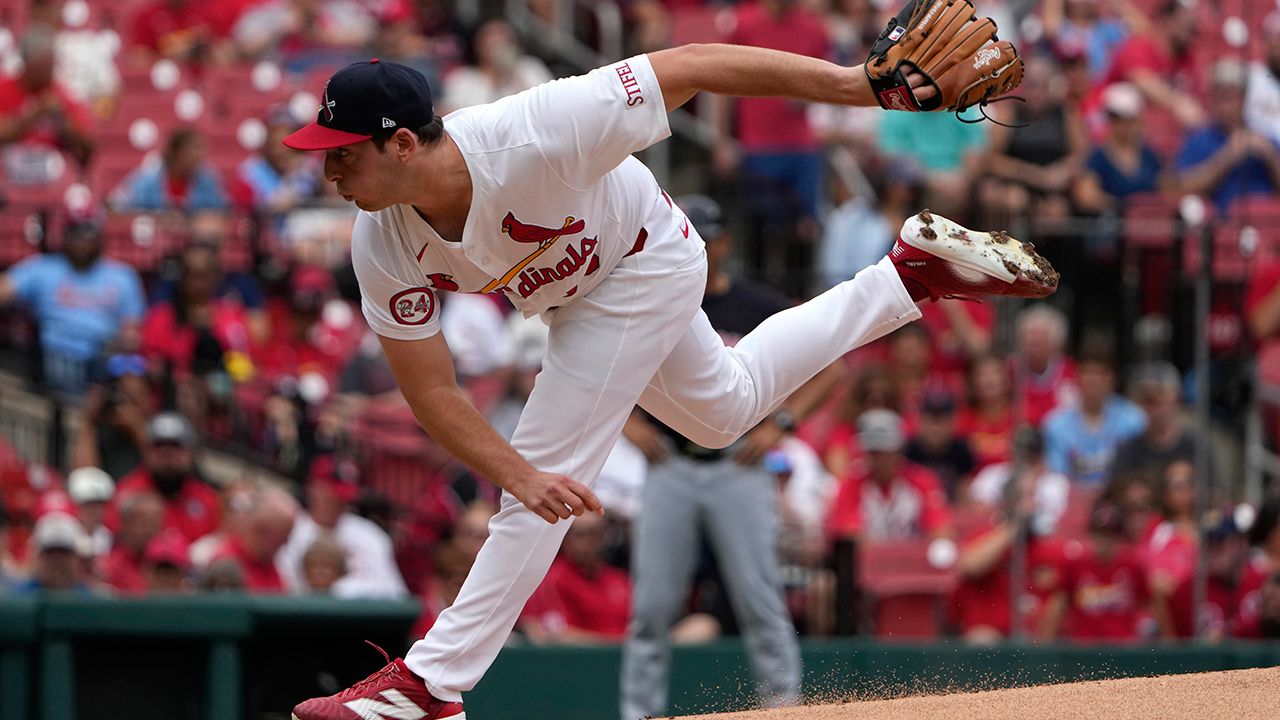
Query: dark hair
x,y
184,269
859,398
917,330
1097,351
1171,8
1163,483
1118,485
429,134
180,139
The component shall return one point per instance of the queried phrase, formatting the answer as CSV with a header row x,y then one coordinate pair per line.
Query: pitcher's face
x,y
363,175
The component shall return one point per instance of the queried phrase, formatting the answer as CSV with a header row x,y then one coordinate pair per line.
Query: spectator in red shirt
x,y
892,499
914,364
187,337
141,519
1134,493
873,388
960,333
166,567
1263,562
450,565
1225,552
1162,63
180,30
988,421
1103,592
37,112
981,603
780,153
253,548
168,467
911,365
1262,315
582,598
303,338
1173,541
1045,376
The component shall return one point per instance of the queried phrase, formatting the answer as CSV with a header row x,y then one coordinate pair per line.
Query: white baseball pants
x,y
640,337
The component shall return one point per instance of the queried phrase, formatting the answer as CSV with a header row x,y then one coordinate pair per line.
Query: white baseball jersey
x,y
557,200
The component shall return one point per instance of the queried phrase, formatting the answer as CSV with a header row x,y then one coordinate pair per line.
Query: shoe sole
x,y
459,716
995,254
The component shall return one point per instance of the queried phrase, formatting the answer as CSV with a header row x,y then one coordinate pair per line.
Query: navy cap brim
x,y
318,137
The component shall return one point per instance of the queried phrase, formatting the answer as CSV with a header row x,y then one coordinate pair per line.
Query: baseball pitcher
x,y
537,196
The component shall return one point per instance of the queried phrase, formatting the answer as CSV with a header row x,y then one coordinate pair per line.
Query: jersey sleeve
x,y
587,125
394,296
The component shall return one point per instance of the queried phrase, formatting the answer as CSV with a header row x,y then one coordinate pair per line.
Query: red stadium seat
x,y
1233,247
1150,220
111,167
21,233
234,95
1261,210
906,593
138,239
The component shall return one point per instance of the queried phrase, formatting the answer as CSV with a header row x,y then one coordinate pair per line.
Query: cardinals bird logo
x,y
545,237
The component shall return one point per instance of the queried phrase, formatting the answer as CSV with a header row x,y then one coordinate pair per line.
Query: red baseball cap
x,y
364,99
342,477
168,548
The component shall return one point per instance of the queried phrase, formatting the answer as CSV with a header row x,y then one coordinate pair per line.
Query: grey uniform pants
x,y
737,507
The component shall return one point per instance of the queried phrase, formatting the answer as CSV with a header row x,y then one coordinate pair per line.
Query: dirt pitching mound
x,y
1237,694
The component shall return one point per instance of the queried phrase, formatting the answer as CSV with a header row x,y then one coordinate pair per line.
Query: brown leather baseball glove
x,y
956,51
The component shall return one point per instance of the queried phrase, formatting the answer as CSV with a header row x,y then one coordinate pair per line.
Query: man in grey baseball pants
x,y
726,495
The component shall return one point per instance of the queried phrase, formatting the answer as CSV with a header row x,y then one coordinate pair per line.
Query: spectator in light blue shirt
x,y
181,180
81,301
1081,441
861,230
279,177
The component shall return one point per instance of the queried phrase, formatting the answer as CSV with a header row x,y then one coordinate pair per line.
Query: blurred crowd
x,y
180,281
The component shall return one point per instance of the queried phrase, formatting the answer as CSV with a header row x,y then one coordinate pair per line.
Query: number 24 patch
x,y
414,306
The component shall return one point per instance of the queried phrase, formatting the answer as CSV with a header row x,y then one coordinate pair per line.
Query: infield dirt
x,y
1234,694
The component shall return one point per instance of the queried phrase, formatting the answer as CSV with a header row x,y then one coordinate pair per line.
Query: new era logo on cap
x,y
375,96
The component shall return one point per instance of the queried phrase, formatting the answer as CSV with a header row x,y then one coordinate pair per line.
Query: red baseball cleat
x,y
392,692
937,258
